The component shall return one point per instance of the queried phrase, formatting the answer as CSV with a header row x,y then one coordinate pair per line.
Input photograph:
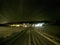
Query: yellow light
x,y
12,25
17,25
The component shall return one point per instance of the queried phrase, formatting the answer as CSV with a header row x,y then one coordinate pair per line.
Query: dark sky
x,y
29,10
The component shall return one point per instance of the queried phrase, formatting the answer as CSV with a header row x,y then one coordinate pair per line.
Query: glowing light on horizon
x,y
38,25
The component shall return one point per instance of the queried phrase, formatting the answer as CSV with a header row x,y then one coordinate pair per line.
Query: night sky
x,y
29,10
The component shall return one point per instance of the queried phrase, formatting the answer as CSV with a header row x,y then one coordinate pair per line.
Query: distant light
x,y
17,25
38,25
12,25
24,25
